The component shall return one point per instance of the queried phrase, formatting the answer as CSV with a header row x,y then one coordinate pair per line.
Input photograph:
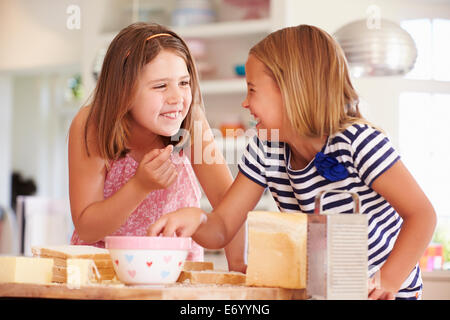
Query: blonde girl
x,y
299,91
123,170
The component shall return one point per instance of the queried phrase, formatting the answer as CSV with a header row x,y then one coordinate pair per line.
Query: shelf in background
x,y
212,30
234,85
227,28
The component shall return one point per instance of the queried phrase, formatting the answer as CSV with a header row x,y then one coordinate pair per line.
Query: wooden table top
x,y
176,291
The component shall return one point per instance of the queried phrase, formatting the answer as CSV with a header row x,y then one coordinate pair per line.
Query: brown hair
x,y
125,58
311,71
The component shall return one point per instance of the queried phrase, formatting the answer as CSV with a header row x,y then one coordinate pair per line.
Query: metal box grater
x,y
337,251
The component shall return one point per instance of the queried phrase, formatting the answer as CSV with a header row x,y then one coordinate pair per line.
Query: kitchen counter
x,y
178,291
443,275
436,285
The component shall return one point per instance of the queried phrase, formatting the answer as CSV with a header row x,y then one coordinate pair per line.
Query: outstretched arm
x,y
215,178
400,189
217,229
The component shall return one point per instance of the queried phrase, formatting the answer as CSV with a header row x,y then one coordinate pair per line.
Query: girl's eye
x,y
161,86
185,83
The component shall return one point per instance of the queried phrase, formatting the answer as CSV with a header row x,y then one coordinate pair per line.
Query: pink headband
x,y
151,37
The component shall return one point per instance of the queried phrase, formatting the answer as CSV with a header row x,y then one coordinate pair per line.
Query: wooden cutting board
x,y
167,292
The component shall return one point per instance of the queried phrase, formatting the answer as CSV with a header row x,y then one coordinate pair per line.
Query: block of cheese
x,y
61,254
26,270
212,277
198,265
277,249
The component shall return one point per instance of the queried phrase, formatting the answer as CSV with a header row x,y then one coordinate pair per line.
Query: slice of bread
x,y
61,262
212,277
198,265
71,251
63,254
277,249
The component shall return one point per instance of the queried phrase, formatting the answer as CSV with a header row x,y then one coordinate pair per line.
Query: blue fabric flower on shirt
x,y
329,168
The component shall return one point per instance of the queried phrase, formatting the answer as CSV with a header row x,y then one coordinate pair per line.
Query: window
x,y
424,141
433,48
424,119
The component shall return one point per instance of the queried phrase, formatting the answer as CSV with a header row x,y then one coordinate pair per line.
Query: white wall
x,y
332,14
5,139
36,47
33,35
39,131
26,126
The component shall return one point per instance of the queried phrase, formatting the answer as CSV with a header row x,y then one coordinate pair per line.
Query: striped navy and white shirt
x,y
366,153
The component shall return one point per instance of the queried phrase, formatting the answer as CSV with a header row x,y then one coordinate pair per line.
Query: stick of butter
x,y
26,270
81,272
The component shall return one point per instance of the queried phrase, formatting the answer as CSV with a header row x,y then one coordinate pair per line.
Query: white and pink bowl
x,y
148,260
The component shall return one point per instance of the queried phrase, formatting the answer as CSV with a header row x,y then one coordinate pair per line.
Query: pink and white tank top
x,y
184,192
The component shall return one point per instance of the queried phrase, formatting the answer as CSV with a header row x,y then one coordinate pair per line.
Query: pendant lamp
x,y
382,50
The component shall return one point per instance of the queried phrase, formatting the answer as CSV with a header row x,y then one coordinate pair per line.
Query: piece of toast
x,y
212,277
198,265
71,252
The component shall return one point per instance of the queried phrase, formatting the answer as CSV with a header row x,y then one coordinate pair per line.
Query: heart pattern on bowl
x,y
134,267
139,260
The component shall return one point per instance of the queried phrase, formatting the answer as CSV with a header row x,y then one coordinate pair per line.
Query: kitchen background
x,y
51,52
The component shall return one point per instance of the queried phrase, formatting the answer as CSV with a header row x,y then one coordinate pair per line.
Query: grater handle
x,y
319,197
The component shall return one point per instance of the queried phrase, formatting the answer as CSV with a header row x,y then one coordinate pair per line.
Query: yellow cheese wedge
x,y
277,249
26,270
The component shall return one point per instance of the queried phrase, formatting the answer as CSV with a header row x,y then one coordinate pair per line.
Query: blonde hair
x,y
311,71
132,48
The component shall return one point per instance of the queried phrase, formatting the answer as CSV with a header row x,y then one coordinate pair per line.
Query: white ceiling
x,y
432,1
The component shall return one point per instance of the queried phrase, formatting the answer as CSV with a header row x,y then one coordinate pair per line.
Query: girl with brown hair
x,y
312,138
123,170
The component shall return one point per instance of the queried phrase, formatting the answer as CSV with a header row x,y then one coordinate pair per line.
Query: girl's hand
x,y
237,266
376,289
155,170
182,223
381,294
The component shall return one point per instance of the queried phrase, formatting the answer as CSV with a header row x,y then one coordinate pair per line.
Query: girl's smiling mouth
x,y
257,121
173,115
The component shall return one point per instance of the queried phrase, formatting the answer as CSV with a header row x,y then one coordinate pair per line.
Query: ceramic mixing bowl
x,y
148,260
